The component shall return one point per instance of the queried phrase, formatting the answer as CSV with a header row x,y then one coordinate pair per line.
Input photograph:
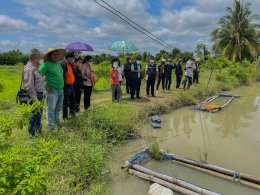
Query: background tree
x,y
237,36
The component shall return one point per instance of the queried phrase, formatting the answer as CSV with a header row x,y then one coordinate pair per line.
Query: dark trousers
x,y
189,79
135,87
69,101
87,95
168,82
195,77
35,120
78,98
128,84
178,81
150,84
161,78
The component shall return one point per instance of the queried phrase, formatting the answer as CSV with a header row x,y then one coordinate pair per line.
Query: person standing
x,y
120,72
33,84
168,74
127,74
114,82
196,73
52,72
178,73
190,66
161,70
87,72
78,81
136,70
151,72
69,88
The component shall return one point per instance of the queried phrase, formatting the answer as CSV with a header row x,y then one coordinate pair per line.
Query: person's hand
x,y
48,89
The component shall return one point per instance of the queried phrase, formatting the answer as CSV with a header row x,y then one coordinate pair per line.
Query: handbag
x,y
22,96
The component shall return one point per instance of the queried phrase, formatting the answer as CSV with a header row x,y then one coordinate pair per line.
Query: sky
x,y
43,24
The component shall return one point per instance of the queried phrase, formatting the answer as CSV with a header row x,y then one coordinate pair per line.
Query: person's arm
x,y
43,69
157,71
28,80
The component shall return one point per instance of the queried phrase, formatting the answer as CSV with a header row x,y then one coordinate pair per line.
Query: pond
x,y
229,138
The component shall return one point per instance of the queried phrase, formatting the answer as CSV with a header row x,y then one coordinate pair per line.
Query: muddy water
x,y
228,138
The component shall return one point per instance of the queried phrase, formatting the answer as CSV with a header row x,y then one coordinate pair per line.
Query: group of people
x,y
133,74
62,76
62,83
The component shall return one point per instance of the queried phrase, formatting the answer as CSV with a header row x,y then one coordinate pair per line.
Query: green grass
x,y
10,78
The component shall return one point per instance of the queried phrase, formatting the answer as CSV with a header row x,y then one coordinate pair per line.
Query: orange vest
x,y
70,78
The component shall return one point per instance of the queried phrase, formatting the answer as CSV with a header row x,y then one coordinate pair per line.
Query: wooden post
x,y
221,175
162,182
173,180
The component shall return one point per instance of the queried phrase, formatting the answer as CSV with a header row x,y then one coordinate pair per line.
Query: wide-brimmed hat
x,y
61,53
163,60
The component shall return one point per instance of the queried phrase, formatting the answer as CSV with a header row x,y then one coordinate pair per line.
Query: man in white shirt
x,y
190,66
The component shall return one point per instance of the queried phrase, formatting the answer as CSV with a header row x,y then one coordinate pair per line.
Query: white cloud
x,y
181,23
9,24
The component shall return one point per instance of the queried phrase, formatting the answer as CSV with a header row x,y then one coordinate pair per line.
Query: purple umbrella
x,y
78,46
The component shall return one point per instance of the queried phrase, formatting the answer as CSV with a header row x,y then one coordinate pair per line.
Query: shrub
x,y
22,167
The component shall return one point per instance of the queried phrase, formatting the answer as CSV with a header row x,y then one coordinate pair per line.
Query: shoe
x,y
132,98
138,98
153,96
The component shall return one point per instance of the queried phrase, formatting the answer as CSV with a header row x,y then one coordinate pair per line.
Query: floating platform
x,y
208,106
135,166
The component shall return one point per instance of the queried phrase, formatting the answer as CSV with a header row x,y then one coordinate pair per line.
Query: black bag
x,y
22,96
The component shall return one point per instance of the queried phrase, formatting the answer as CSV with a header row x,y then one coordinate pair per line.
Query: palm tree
x,y
237,35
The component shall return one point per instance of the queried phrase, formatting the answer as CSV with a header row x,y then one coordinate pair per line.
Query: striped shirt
x,y
32,80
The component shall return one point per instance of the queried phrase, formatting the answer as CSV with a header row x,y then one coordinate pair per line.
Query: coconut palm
x,y
237,35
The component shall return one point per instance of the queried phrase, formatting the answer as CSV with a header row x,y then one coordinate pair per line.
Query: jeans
x,y
135,87
150,84
69,101
35,120
161,78
168,82
54,101
87,95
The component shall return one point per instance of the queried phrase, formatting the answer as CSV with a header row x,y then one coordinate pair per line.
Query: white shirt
x,y
190,66
120,72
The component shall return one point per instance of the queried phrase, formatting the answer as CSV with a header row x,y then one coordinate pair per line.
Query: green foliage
x,y
22,167
98,188
12,57
240,72
237,34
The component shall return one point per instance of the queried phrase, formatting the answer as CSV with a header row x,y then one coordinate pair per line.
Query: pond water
x,y
229,138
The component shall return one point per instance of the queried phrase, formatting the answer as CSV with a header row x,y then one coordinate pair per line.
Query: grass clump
x,y
154,149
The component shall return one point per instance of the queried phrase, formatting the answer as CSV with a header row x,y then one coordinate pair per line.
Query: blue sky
x,y
25,24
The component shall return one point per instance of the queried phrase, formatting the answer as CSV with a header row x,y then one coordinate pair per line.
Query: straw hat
x,y
163,60
61,53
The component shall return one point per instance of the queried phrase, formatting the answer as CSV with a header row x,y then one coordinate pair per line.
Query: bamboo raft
x,y
209,107
135,166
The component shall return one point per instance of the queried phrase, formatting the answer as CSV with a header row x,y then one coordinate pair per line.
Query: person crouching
x,y
114,81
